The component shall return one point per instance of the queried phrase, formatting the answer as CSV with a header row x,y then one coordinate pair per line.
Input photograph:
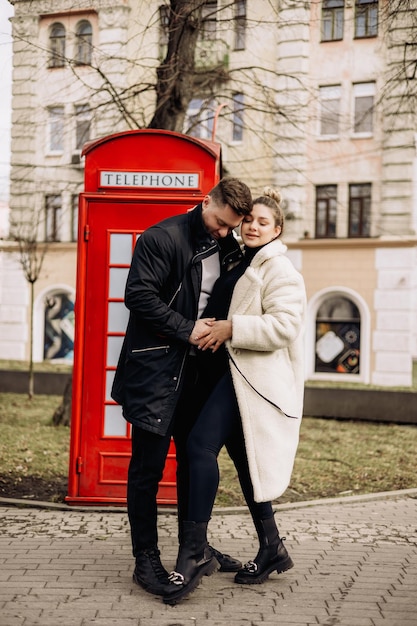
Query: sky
x,y
6,11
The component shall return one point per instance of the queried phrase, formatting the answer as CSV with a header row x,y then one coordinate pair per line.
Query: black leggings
x,y
218,424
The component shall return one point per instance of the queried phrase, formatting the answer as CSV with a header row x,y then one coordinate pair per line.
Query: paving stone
x,y
355,565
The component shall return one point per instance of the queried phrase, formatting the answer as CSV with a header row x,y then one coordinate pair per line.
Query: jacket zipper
x,y
215,247
181,371
151,349
175,294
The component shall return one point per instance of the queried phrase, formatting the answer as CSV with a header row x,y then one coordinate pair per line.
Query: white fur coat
x,y
267,347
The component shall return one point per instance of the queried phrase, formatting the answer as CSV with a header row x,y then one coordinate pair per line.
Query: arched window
x,y
338,327
59,326
57,45
84,43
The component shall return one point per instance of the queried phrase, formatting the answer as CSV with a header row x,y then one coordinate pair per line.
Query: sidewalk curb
x,y
57,506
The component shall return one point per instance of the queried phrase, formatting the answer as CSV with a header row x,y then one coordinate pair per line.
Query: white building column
x,y
395,311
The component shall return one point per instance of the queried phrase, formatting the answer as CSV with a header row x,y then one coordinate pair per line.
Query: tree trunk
x,y
62,415
175,75
31,389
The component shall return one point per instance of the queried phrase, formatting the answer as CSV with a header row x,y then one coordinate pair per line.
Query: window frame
x,y
364,9
364,202
360,91
199,120
57,45
326,94
238,122
337,337
53,217
82,113
74,216
83,43
208,30
330,210
56,128
331,12
240,25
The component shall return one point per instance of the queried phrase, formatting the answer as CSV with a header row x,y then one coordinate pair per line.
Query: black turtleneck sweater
x,y
221,295
218,307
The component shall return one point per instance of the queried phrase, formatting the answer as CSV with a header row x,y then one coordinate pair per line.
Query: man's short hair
x,y
233,192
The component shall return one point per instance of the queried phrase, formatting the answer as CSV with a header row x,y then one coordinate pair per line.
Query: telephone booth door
x,y
132,180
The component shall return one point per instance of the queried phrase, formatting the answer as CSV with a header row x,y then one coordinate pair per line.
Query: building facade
x,y
308,97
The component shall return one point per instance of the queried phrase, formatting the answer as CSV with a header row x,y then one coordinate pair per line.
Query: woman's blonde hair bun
x,y
272,199
273,193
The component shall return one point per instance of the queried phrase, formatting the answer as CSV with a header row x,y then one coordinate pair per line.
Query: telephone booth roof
x,y
148,150
210,146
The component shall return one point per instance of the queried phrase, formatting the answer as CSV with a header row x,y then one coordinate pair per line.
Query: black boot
x,y
149,572
272,555
227,563
194,561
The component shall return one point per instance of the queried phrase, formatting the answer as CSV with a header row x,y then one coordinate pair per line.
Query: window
x,y
200,118
240,24
53,209
164,12
238,117
360,210
59,326
366,18
84,40
332,20
74,218
83,125
329,110
209,19
326,210
363,94
56,129
57,45
338,336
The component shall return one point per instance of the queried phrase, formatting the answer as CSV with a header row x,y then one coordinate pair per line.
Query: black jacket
x,y
162,293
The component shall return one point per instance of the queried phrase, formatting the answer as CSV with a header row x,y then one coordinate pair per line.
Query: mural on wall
x,y
59,327
338,336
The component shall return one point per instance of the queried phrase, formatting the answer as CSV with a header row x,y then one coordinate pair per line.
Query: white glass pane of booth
x,y
109,382
114,423
114,345
118,317
120,249
117,282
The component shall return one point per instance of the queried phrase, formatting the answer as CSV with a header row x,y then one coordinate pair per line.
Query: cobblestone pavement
x,y
355,565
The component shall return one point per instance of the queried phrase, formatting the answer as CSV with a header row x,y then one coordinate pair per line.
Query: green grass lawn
x,y
334,457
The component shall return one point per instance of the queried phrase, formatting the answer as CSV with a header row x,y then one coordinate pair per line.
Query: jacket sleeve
x,y
275,310
150,288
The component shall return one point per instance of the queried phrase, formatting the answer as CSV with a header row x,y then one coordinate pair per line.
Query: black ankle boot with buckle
x,y
272,556
194,561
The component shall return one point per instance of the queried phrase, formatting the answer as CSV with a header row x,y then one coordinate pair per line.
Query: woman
x,y
256,407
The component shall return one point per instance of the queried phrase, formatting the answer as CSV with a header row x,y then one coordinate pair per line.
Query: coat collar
x,y
270,250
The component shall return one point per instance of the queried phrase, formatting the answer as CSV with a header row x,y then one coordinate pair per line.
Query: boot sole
x,y
257,580
206,570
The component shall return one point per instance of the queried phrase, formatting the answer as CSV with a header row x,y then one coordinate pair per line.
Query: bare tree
x,y
399,19
31,257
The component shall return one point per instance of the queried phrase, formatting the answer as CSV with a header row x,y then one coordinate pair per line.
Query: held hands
x,y
218,332
200,330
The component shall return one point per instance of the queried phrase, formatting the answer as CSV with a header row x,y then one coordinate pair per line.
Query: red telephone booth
x,y
132,180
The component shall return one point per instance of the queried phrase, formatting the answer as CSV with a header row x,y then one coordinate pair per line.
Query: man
x,y
161,380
